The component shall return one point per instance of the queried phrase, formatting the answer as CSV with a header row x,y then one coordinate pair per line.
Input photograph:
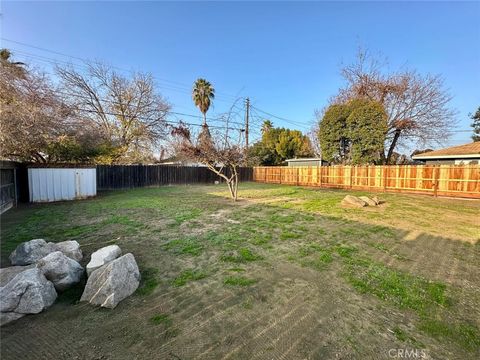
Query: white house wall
x,y
54,184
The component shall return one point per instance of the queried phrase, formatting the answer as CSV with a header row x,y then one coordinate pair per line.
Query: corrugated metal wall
x,y
56,184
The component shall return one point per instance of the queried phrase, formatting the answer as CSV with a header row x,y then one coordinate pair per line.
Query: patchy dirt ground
x,y
285,273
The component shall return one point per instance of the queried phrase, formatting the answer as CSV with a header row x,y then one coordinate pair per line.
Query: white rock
x,y
113,282
71,249
8,273
29,292
102,257
62,271
31,251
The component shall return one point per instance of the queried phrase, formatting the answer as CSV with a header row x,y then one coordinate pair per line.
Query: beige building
x,y
456,155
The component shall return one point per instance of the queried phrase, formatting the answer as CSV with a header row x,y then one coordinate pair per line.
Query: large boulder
x,y
102,257
369,201
71,249
8,273
113,282
62,271
351,200
31,251
29,292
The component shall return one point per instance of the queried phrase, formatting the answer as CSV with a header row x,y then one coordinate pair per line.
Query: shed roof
x,y
304,159
471,150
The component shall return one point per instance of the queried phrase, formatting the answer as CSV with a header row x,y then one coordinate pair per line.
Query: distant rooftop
x,y
305,159
471,150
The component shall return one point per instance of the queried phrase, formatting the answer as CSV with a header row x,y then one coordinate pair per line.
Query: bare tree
x,y
32,116
218,152
417,105
128,112
314,140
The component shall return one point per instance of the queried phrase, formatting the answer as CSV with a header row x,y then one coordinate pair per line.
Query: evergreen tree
x,y
353,133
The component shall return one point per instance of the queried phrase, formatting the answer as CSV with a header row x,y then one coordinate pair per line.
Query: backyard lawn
x,y
284,273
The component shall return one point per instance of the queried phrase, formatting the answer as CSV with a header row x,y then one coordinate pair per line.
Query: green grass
x,y
241,255
188,276
172,234
288,235
346,251
464,335
189,246
396,287
148,282
161,319
238,281
403,336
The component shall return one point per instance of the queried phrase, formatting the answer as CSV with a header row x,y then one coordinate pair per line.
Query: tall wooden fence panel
x,y
437,180
129,176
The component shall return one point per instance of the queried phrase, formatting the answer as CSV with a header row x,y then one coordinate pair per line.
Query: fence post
x,y
384,178
298,182
436,173
351,176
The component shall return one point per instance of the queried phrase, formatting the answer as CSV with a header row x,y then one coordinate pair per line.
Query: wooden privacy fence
x,y
437,180
129,176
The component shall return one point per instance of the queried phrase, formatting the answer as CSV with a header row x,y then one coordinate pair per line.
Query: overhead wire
x,y
175,86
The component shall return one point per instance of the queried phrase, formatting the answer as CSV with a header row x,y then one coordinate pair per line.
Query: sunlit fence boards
x,y
437,180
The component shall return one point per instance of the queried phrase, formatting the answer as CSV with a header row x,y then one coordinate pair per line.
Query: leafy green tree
x,y
292,143
367,128
203,93
476,125
279,144
353,132
332,133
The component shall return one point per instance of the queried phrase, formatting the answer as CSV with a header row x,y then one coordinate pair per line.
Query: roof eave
x,y
430,157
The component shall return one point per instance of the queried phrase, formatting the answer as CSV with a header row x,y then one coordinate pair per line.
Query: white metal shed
x,y
57,184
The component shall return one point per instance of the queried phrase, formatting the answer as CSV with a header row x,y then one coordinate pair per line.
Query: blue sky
x,y
285,56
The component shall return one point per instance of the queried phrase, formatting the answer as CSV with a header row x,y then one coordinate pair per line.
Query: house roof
x,y
471,150
304,159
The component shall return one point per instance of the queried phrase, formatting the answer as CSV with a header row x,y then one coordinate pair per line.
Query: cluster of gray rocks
x,y
360,201
43,269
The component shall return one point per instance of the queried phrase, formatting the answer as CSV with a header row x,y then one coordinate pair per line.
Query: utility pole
x,y
247,115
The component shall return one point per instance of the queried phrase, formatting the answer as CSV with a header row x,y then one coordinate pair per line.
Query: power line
x,y
163,121
278,117
175,83
83,67
218,119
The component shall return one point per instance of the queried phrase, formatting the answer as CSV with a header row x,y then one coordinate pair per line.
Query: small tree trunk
x,y
231,188
235,179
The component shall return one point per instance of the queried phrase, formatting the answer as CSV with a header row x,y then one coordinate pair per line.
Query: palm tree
x,y
203,93
266,126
